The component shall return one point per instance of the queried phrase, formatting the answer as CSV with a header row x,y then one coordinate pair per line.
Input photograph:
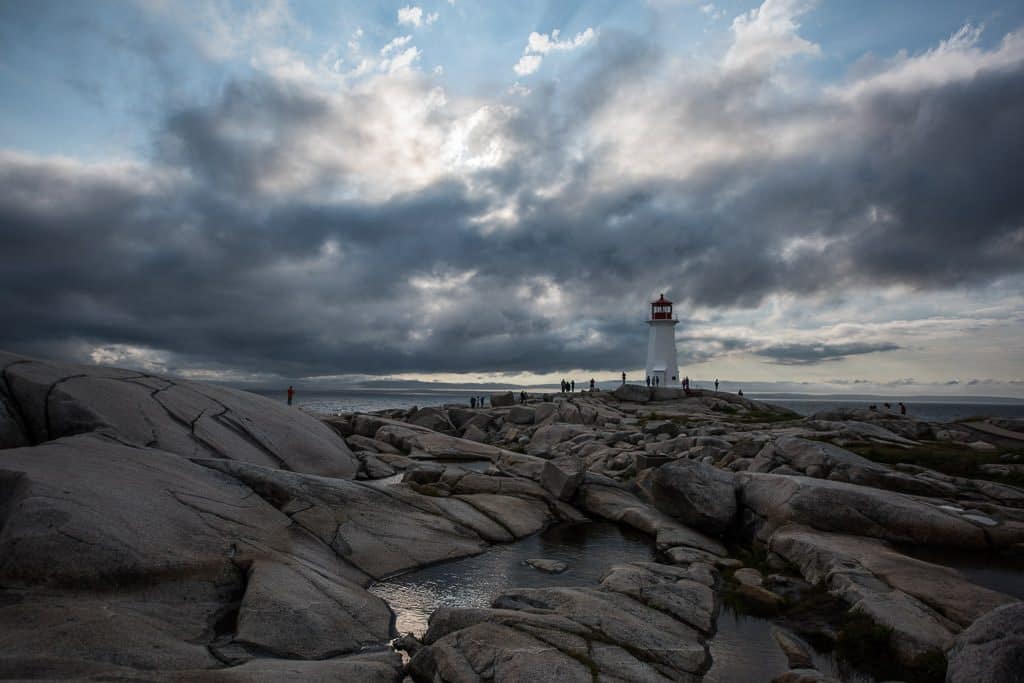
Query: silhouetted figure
x,y
472,401
648,380
291,394
623,378
522,396
903,408
572,386
739,393
591,383
716,384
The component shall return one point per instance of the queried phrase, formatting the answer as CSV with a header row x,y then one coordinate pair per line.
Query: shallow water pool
x,y
744,649
589,548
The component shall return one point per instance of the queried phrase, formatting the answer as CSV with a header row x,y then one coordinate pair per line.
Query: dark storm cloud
x,y
198,258
806,354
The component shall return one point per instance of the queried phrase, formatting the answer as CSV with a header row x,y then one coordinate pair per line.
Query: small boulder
x,y
435,419
562,476
547,566
543,411
376,468
460,416
761,599
798,653
748,576
503,399
474,433
520,415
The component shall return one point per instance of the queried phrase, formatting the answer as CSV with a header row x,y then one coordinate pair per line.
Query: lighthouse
x,y
661,345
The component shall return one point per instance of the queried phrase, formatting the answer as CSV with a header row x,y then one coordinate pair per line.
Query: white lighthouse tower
x,y
661,345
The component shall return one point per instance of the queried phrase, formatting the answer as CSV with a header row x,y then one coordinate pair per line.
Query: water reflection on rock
x,y
589,548
744,649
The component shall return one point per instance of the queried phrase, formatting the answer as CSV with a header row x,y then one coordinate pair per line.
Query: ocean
x,y
933,409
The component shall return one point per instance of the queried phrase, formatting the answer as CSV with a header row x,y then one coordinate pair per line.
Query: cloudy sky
x,y
832,192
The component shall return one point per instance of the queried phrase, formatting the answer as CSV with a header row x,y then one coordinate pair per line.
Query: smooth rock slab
x,y
667,589
370,667
189,419
924,604
488,651
89,511
620,620
97,630
521,517
701,495
826,557
776,500
618,505
381,532
297,613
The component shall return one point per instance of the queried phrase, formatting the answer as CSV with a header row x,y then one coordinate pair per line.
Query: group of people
x,y
569,385
655,381
888,406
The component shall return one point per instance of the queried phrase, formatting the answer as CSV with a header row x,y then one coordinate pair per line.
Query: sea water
x,y
933,409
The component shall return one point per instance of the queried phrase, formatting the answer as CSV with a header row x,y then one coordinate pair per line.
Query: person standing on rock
x,y
291,394
648,380
591,383
472,401
716,384
623,377
572,386
903,408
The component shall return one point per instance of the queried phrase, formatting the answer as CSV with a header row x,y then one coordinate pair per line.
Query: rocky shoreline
x,y
153,528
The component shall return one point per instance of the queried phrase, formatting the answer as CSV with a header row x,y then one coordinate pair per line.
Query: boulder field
x,y
153,528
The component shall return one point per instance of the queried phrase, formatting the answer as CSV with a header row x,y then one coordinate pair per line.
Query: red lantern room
x,y
661,309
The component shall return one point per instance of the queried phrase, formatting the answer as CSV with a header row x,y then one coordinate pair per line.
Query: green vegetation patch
x,y
952,459
868,646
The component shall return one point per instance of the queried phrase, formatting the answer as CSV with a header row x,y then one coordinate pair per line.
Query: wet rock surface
x,y
157,528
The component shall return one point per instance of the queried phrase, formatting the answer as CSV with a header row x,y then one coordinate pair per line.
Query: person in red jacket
x,y
291,394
